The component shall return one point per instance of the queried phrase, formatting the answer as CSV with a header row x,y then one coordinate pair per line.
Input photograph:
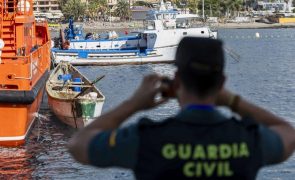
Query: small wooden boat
x,y
72,97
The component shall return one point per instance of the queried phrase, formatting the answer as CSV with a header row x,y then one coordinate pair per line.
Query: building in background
x,y
139,12
275,5
49,9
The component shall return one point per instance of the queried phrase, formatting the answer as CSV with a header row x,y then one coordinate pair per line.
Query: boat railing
x,y
1,18
34,61
36,53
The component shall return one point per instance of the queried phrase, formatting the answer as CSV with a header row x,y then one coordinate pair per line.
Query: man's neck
x,y
187,98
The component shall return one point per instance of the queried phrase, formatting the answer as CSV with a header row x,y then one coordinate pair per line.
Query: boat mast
x,y
110,18
203,9
162,6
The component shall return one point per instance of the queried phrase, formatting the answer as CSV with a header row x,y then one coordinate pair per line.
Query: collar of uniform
x,y
201,116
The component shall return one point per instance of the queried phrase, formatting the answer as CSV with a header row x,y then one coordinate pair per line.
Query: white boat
x,y
157,43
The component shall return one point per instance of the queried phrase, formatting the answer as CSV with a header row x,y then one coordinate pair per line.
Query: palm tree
x,y
97,6
230,7
142,3
62,3
193,5
74,9
235,6
123,10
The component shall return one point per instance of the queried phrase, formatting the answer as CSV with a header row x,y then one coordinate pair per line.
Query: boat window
x,y
159,16
202,32
151,17
184,33
150,25
166,16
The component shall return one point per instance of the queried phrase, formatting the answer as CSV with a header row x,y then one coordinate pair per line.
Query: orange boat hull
x,y
21,119
24,64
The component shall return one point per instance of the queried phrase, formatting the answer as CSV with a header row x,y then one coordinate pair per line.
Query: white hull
x,y
159,55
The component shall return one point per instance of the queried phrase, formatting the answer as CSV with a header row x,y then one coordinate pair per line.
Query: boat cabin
x,y
163,19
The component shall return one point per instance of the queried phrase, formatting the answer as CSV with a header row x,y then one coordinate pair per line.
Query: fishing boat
x,y
157,43
72,97
24,69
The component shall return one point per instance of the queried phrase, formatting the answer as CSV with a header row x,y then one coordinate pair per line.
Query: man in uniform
x,y
198,142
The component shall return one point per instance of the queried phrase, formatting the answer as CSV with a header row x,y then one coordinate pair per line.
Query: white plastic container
x,y
93,95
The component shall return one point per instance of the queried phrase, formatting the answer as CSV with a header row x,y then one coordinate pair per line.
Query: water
x,y
264,74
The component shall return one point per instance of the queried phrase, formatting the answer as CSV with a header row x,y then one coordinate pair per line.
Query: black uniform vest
x,y
177,149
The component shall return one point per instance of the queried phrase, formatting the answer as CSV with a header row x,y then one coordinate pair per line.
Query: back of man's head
x,y
200,63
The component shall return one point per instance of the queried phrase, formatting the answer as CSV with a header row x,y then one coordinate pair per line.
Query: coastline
x,y
99,27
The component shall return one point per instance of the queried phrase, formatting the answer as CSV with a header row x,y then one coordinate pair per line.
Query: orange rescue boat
x,y
24,68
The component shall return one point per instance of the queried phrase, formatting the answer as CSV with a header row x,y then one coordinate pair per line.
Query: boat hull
x,y
159,55
24,66
21,118
72,97
65,112
156,43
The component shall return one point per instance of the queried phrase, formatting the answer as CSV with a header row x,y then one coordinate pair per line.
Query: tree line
x,y
95,9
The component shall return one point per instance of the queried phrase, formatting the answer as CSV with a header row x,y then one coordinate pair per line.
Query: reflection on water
x,y
264,74
15,163
44,153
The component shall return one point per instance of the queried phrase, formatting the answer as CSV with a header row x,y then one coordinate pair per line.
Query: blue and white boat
x,y
157,43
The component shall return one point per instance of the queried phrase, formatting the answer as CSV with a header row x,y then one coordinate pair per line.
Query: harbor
x,y
42,107
265,78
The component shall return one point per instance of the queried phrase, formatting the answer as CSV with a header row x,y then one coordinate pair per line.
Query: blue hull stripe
x,y
99,51
104,40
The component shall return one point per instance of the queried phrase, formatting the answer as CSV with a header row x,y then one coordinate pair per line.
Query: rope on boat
x,y
39,116
74,114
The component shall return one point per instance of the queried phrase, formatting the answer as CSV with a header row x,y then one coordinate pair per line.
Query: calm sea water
x,y
264,74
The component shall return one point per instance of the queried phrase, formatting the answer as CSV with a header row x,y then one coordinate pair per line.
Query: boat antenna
x,y
203,9
162,6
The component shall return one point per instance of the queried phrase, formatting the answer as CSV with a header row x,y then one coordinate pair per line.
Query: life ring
x,y
23,7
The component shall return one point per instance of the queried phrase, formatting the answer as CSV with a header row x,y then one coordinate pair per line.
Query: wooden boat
x,y
24,69
72,97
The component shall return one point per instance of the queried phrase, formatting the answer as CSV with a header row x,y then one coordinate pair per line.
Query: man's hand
x,y
145,95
